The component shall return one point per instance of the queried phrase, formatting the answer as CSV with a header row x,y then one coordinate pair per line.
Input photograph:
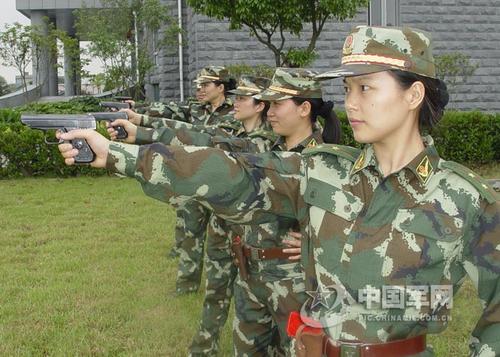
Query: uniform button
x,y
347,209
312,194
447,230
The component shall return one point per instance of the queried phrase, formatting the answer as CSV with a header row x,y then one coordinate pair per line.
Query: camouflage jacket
x,y
174,110
197,114
422,228
262,139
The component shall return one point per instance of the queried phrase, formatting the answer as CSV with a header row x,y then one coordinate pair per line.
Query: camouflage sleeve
x,y
160,123
240,188
170,136
153,118
183,137
149,121
482,263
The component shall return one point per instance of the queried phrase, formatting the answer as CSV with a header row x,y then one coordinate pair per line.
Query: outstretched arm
x,y
482,263
237,187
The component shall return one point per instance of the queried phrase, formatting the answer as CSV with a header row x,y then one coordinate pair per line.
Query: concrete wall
x,y
18,98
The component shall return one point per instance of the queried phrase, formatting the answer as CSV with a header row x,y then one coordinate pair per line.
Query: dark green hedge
x,y
23,151
471,138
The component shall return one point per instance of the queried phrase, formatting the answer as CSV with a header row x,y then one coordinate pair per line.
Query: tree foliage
x,y
16,48
454,68
270,20
111,33
4,87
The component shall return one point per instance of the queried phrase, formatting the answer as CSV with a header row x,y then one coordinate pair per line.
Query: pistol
x,y
115,105
239,258
111,117
68,122
122,97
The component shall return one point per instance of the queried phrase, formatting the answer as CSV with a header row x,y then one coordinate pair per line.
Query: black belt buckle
x,y
350,349
254,253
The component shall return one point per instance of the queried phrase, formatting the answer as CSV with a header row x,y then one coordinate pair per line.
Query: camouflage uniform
x,y
431,223
262,307
192,218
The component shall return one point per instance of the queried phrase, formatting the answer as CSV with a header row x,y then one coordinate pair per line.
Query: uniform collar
x,y
225,104
264,125
311,141
422,166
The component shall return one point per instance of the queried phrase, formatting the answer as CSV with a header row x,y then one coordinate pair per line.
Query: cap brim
x,y
348,70
241,92
205,80
271,96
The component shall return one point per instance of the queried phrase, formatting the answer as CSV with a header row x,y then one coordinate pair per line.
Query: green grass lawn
x,y
84,271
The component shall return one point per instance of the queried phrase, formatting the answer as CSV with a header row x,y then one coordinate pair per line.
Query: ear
x,y
260,107
305,109
221,88
415,95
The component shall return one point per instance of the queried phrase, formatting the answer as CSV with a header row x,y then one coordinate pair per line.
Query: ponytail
x,y
319,108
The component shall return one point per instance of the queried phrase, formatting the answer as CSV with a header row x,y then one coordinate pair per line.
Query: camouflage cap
x,y
249,85
370,49
211,74
292,82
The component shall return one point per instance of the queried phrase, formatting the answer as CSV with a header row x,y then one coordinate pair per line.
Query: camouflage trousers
x,y
193,217
178,235
221,273
262,306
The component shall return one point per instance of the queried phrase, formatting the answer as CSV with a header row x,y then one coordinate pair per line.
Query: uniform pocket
x,y
429,224
422,238
332,199
333,212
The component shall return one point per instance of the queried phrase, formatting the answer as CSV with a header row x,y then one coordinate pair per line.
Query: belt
x,y
396,348
312,341
265,254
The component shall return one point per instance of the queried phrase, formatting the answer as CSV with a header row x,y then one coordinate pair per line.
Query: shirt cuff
x,y
144,136
145,120
122,158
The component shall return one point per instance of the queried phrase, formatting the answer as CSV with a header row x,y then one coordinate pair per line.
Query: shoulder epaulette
x,y
474,179
345,152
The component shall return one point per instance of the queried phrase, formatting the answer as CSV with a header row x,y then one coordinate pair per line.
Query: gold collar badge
x,y
424,170
312,144
359,162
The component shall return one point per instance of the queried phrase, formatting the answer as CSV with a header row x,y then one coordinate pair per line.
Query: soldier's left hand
x,y
295,242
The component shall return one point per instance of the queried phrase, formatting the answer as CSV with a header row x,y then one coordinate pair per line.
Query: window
x,y
384,13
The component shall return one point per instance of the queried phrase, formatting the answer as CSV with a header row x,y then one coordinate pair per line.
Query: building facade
x,y
471,28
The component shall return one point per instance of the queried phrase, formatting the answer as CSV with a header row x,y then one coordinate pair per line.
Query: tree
x,y
270,20
454,69
16,48
111,32
4,87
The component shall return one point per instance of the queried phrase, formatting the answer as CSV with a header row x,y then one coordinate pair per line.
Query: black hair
x,y
331,127
435,100
266,106
229,84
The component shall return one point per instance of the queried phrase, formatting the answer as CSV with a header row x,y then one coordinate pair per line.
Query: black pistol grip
x,y
121,133
85,153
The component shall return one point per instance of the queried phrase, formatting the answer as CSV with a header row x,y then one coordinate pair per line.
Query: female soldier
x,y
392,230
259,326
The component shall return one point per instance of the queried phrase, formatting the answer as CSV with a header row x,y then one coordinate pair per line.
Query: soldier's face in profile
x,y
286,117
246,108
377,107
211,92
199,95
